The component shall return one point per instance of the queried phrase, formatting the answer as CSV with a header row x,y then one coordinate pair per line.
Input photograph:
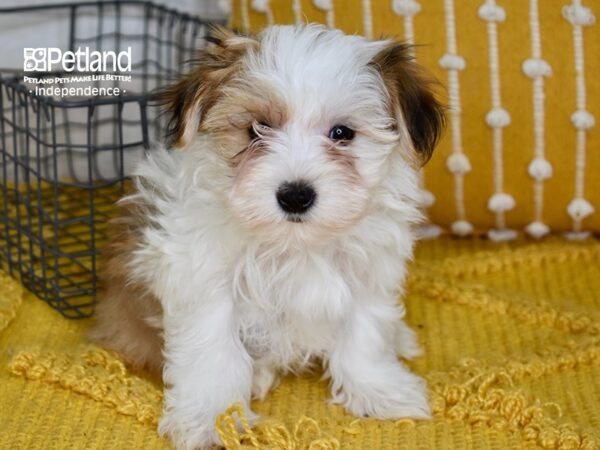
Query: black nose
x,y
296,197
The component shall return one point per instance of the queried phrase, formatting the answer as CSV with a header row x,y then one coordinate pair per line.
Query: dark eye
x,y
341,133
252,130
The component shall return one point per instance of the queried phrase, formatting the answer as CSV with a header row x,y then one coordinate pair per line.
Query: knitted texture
x,y
511,334
519,77
11,294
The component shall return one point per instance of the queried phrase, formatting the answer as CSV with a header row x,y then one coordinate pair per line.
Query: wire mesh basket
x,y
65,160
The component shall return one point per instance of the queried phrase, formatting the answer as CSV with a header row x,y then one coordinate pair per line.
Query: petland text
x,y
82,60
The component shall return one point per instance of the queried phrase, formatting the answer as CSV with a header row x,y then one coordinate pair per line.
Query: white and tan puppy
x,y
278,235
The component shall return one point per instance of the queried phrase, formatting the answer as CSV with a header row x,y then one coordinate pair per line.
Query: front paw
x,y
186,434
393,395
199,434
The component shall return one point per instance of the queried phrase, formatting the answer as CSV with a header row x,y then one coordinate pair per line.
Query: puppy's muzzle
x,y
296,197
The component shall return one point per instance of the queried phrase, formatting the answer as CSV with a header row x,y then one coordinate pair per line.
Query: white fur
x,y
248,295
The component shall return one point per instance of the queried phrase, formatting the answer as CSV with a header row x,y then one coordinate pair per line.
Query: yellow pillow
x,y
525,131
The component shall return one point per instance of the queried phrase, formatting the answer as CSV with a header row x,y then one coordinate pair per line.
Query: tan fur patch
x,y
243,105
125,310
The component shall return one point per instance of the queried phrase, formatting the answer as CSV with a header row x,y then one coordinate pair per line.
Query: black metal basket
x,y
65,161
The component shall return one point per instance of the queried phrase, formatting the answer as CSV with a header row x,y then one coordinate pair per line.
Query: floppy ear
x,y
188,100
411,93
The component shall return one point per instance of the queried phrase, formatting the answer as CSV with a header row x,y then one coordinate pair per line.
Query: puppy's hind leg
x,y
127,321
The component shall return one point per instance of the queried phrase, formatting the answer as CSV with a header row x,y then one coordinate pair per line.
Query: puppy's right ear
x,y
187,101
411,94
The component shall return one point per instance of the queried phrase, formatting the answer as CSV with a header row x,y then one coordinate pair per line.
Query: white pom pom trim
x,y
498,117
536,67
537,229
407,8
426,199
578,15
577,235
428,231
458,163
260,6
461,228
502,235
501,202
540,169
452,62
580,208
583,120
325,5
492,13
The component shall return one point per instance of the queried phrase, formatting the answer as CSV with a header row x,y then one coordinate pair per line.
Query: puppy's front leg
x,y
367,377
206,370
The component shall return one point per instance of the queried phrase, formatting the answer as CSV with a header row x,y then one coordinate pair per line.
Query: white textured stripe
x,y
498,159
538,116
367,18
245,15
494,62
580,164
537,228
497,118
450,27
579,208
459,197
297,8
409,33
534,26
330,18
538,199
581,104
450,62
269,13
579,67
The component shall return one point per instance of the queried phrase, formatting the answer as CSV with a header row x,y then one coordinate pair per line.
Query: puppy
x,y
278,235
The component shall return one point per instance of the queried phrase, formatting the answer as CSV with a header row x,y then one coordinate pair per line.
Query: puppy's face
x,y
306,120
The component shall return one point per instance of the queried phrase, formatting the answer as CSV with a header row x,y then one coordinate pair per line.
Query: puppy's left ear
x,y
411,95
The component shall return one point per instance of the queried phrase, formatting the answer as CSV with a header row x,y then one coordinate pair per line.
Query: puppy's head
x,y
307,120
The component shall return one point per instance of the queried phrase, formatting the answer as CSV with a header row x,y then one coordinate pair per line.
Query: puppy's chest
x,y
284,339
290,308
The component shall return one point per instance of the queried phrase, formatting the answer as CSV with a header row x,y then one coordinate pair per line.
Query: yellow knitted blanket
x,y
512,339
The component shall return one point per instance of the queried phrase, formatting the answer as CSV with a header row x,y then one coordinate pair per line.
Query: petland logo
x,y
83,60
